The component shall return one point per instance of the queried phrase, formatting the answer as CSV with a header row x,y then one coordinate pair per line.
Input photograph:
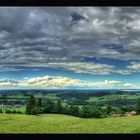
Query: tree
x,y
85,112
36,110
109,109
138,106
59,106
39,102
30,105
92,112
49,106
74,110
66,109
1,110
117,110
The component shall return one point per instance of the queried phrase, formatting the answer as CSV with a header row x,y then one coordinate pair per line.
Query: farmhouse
x,y
131,113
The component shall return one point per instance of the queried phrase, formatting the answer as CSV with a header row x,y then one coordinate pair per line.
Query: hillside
x,y
53,123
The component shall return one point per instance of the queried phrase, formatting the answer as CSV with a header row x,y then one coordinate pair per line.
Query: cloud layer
x,y
53,82
62,37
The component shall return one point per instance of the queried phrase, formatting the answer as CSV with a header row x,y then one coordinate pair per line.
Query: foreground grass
x,y
53,123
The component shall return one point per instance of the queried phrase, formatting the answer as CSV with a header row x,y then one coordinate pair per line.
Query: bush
x,y
92,112
1,110
109,109
8,111
117,110
98,112
85,112
66,109
73,110
127,108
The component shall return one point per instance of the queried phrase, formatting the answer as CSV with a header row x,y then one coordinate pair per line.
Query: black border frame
x,y
71,136
70,3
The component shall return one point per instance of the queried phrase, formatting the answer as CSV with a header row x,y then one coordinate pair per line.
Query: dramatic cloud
x,y
93,68
42,35
84,67
72,39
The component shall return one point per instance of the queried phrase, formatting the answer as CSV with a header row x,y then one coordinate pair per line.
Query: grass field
x,y
112,97
53,123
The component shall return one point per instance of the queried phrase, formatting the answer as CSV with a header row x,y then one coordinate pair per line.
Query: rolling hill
x,y
54,123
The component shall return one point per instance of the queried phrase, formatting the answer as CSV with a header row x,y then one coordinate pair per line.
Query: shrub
x,y
8,111
1,110
73,110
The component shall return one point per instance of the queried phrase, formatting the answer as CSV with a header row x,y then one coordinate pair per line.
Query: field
x,y
13,102
53,123
113,97
75,97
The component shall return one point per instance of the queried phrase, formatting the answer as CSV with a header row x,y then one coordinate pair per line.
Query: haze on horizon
x,y
69,47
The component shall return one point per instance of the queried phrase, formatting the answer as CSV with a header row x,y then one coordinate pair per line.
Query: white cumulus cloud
x,y
63,82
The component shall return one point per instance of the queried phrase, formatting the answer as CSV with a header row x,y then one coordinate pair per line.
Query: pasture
x,y
56,123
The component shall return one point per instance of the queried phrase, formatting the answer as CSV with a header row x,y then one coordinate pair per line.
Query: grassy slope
x,y
52,123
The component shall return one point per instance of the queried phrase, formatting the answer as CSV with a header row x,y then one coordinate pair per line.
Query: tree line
x,y
38,106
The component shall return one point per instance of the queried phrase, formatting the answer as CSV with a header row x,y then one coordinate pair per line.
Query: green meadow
x,y
113,97
56,123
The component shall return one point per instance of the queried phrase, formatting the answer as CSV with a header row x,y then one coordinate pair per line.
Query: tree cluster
x,y
37,106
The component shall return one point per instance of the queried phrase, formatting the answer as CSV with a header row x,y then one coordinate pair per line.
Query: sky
x,y
69,48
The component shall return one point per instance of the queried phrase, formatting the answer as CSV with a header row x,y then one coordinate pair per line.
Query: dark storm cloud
x,y
41,35
77,17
